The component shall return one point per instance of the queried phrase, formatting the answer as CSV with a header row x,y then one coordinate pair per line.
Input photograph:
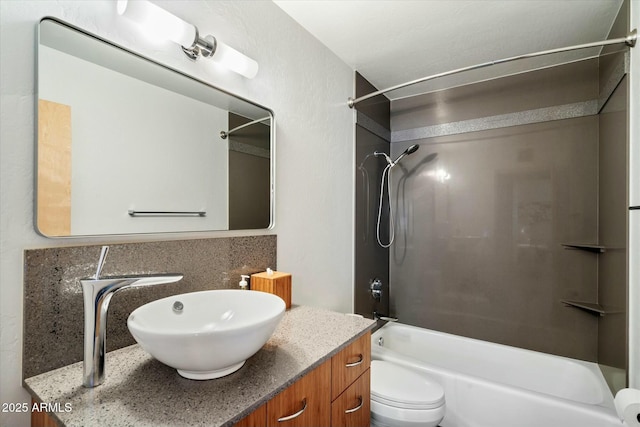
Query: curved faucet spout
x,y
97,294
383,317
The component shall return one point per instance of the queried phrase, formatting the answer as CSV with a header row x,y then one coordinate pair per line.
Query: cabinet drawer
x,y
353,407
304,403
257,418
349,364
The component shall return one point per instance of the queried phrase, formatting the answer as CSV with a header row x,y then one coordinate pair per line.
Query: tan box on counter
x,y
278,283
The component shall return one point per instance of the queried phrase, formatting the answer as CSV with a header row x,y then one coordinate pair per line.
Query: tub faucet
x,y
383,317
97,293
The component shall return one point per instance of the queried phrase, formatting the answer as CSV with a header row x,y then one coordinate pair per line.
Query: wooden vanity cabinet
x,y
353,407
351,384
336,394
349,364
41,419
257,418
304,403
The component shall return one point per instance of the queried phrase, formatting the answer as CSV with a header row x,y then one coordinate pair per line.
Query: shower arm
x,y
629,40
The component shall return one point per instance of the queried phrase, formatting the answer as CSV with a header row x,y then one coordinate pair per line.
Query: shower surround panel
x,y
479,229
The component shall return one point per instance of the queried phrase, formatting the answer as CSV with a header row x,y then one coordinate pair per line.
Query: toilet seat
x,y
399,387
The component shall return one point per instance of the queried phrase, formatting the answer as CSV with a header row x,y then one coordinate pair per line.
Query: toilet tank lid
x,y
401,387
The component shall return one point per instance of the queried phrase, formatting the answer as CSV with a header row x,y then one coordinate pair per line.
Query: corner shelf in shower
x,y
585,247
593,308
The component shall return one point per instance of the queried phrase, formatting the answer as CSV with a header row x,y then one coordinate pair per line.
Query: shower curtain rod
x,y
629,40
224,134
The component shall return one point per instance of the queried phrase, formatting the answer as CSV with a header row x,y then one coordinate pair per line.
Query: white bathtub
x,y
493,385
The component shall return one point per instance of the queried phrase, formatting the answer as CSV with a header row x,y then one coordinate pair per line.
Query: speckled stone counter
x,y
140,391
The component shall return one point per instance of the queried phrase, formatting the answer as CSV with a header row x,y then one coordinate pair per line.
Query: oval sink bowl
x,y
209,334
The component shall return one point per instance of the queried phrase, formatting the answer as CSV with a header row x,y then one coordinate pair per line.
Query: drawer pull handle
x,y
352,410
297,414
359,362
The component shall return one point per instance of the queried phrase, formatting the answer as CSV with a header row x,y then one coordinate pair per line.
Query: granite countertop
x,y
140,391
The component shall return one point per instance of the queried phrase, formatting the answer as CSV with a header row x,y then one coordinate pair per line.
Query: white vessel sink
x,y
212,334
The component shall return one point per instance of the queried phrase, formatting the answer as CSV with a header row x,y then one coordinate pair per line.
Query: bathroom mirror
x,y
127,145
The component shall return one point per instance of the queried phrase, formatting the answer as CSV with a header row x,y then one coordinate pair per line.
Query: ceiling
x,y
395,41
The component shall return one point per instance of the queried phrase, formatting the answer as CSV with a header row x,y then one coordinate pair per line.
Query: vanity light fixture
x,y
157,22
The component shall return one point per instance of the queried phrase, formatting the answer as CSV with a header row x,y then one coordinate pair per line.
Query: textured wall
x,y
301,80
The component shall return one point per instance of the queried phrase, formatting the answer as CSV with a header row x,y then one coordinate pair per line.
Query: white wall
x,y
634,216
304,84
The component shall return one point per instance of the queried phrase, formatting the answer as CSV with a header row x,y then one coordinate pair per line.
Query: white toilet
x,y
404,398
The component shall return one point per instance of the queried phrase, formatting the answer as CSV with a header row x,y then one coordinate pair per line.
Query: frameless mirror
x,y
126,145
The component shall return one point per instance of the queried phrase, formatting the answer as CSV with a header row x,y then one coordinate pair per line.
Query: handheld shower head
x,y
412,149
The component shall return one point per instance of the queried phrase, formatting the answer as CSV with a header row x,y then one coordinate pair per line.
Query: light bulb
x,y
234,60
160,24
157,22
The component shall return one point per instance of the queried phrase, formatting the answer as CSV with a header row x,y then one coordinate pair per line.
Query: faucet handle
x,y
101,261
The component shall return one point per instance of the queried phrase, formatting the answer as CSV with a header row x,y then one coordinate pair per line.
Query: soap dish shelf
x,y
585,247
593,308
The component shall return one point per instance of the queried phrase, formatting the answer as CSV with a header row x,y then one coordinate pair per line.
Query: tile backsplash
x,y
53,302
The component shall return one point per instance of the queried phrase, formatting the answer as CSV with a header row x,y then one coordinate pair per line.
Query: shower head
x,y
412,149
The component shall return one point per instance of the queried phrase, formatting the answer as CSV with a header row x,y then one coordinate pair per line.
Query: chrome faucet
x,y
97,294
383,317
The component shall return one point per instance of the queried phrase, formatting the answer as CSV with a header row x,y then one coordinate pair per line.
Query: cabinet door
x,y
352,408
350,363
307,402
